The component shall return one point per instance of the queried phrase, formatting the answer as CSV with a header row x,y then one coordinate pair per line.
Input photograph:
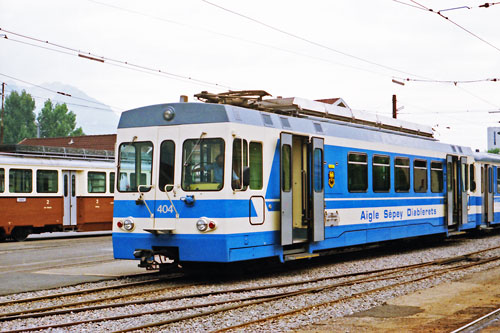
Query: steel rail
x,y
388,271
472,323
244,301
41,312
76,292
327,303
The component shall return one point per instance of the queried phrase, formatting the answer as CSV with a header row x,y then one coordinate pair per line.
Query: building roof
x,y
95,142
334,101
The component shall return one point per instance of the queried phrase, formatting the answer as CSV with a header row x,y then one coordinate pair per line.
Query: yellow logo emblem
x,y
331,178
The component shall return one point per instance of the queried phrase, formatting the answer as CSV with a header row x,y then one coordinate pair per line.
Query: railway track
x,y
205,305
477,324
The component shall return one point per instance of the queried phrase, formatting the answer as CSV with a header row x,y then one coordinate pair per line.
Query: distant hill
x,y
94,118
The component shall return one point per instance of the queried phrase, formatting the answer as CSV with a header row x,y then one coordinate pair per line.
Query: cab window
x,y
203,163
135,160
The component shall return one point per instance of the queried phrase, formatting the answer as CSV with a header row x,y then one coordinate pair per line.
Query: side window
x,y
2,180
318,170
20,180
436,177
483,179
420,176
286,162
167,164
498,179
381,173
111,182
357,172
46,181
402,174
96,182
256,165
240,161
472,175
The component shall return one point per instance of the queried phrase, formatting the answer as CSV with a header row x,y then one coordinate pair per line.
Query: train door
x,y
302,192
165,192
456,179
488,202
69,195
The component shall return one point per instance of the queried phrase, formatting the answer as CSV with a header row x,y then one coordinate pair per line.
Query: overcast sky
x,y
317,49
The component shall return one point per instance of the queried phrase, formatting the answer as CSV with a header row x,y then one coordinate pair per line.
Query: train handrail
x,y
171,202
151,215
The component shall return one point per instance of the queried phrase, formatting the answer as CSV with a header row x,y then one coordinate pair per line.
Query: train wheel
x,y
20,234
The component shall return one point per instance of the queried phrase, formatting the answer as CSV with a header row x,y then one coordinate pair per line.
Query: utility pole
x,y
1,121
394,107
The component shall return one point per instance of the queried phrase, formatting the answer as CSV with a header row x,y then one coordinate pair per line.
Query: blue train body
x,y
296,178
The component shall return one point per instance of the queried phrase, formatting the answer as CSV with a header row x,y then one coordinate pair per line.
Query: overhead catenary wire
x,y
109,60
238,38
55,91
63,102
453,22
309,41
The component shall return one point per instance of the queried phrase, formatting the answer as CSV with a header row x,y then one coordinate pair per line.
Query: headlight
x,y
128,224
202,224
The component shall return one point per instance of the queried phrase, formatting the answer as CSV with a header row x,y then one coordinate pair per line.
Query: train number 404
x,y
163,209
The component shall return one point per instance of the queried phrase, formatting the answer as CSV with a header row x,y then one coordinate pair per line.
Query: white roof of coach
x,y
320,109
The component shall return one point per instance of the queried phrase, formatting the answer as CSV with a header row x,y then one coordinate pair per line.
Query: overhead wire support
x,y
452,22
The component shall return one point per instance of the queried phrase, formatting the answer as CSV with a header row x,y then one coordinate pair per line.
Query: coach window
x,y
472,175
20,181
318,170
203,164
111,182
240,161
167,163
483,179
498,179
464,173
2,180
256,165
402,174
357,172
46,181
286,169
436,177
96,182
381,173
135,159
420,176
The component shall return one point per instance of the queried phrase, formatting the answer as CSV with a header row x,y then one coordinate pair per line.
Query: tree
x,y
57,121
494,151
19,117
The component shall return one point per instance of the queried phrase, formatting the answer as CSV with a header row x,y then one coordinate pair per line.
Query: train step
x,y
300,255
455,233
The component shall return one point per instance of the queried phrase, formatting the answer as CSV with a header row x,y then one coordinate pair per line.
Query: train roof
x,y
172,114
487,157
57,152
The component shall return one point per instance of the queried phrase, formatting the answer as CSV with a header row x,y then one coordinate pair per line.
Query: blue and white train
x,y
240,178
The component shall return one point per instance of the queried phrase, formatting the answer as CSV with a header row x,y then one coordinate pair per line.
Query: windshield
x,y
134,166
203,164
